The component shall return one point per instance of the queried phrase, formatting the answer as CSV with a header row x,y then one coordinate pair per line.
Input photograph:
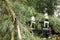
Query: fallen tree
x,y
14,20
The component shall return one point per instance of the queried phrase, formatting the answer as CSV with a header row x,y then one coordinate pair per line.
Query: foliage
x,y
24,9
49,4
40,5
55,23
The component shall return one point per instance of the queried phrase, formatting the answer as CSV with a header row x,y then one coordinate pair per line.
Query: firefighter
x,y
46,20
33,21
46,26
32,26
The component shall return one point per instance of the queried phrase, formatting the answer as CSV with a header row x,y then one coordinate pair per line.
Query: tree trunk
x,y
15,21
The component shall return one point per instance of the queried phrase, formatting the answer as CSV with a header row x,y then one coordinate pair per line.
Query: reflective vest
x,y
46,23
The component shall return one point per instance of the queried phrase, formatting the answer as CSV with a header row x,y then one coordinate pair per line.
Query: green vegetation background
x,y
24,9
